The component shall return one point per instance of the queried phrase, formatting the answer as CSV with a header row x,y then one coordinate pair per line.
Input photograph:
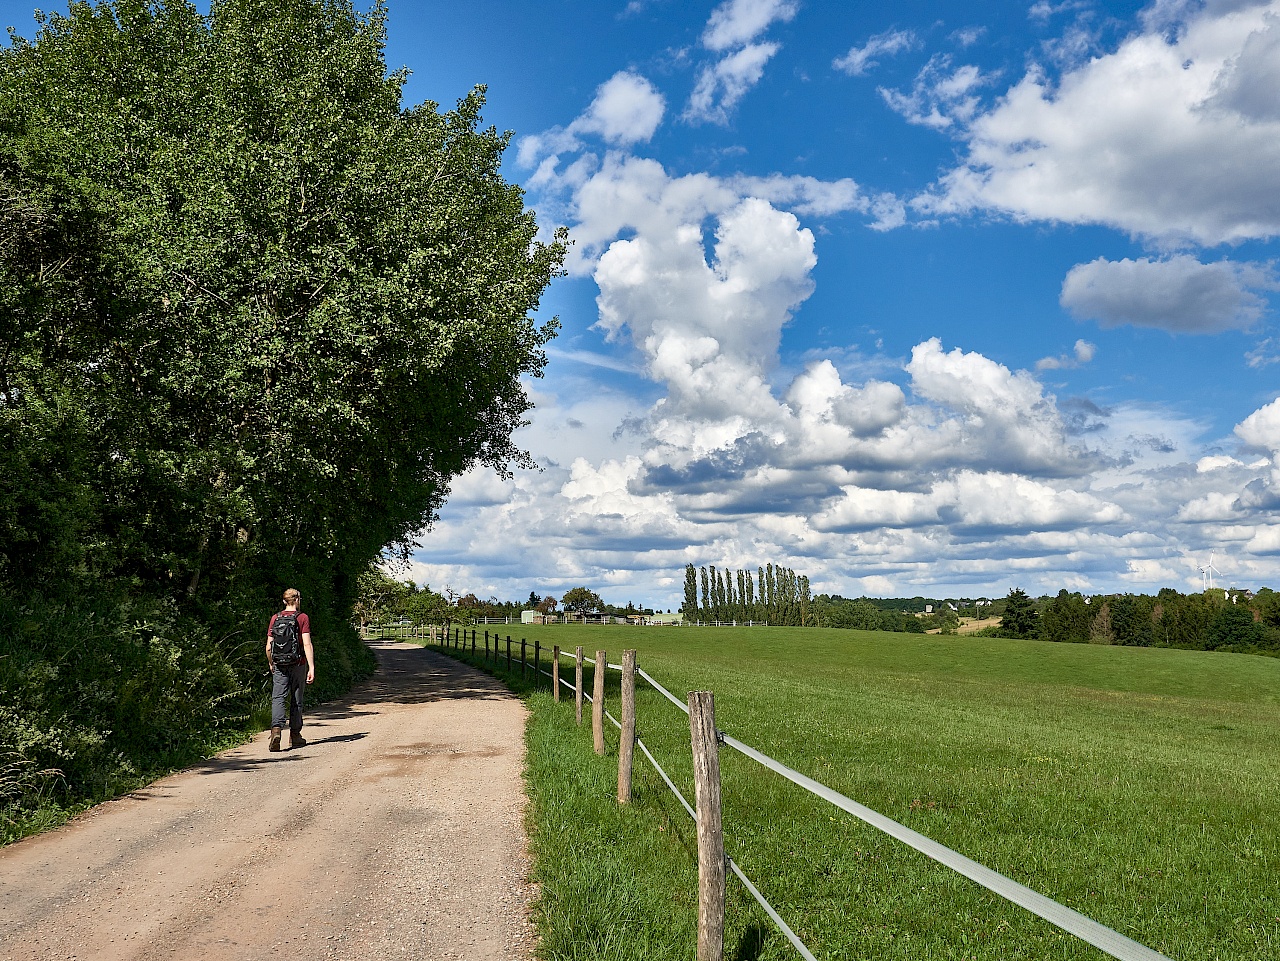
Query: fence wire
x,y
729,862
1100,936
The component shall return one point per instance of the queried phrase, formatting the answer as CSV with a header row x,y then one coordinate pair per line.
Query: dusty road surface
x,y
397,832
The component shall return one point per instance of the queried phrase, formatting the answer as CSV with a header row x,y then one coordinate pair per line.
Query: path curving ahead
x,y
397,832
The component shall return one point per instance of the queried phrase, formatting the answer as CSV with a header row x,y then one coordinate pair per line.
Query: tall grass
x,y
1140,787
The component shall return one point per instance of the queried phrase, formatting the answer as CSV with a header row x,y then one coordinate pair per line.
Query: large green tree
x,y
690,608
581,600
252,306
1020,618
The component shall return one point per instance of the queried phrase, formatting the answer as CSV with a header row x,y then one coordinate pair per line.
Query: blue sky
x,y
928,298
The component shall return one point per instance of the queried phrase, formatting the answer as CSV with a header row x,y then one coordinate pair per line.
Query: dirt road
x,y
397,832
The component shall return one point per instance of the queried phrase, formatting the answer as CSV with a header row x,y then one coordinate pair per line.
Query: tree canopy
x,y
581,600
1020,618
250,305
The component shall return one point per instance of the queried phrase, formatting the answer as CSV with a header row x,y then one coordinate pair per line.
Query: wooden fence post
x,y
577,683
627,739
473,642
597,703
706,789
537,661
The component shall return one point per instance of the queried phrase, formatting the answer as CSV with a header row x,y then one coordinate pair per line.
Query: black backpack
x,y
286,640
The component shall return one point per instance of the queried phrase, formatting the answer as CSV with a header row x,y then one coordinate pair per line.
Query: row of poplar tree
x,y
774,594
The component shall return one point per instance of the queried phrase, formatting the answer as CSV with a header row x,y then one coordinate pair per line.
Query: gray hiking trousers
x,y
288,686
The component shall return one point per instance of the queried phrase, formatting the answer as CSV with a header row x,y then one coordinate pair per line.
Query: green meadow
x,y
1140,787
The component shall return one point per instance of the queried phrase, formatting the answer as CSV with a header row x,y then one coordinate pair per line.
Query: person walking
x,y
293,667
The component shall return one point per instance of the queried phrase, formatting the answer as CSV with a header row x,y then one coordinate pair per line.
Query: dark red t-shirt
x,y
304,627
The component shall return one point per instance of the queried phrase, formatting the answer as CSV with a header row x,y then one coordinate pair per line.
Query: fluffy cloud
x,y
969,501
633,194
943,96
1178,294
721,85
737,22
1173,136
626,110
859,60
809,196
1082,353
731,31
999,418
1262,428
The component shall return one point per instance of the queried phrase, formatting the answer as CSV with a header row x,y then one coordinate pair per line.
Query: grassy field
x,y
1139,787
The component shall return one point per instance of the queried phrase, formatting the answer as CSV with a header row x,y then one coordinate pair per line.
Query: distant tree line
x,y
864,614
776,595
1214,620
383,599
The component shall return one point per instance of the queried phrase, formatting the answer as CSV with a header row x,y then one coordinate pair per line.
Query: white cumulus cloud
x,y
1175,136
1082,353
627,109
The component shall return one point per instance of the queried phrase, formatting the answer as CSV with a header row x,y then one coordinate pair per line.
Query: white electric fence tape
x,y
1100,936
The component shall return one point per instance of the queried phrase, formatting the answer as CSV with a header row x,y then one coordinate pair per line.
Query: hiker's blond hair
x,y
291,596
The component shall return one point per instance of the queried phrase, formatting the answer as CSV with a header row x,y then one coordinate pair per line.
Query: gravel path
x,y
397,832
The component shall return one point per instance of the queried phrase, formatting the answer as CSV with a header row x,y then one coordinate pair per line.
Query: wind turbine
x,y
1212,570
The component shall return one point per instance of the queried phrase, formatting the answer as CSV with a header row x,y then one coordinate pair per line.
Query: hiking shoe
x,y
296,740
275,739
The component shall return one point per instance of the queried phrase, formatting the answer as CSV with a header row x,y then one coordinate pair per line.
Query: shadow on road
x,y
408,674
336,739
224,764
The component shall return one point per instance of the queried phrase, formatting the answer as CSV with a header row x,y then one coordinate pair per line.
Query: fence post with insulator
x,y
577,683
627,736
597,702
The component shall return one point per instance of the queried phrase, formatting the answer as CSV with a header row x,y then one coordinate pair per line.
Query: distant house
x,y
928,608
527,617
666,620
